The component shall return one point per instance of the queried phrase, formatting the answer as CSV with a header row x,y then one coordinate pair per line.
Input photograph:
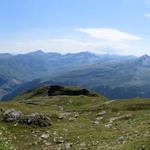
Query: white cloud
x,y
110,41
109,34
147,15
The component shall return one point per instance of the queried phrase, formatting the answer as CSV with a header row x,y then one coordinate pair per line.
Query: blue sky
x,y
100,26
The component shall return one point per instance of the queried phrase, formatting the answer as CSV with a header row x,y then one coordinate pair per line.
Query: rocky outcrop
x,y
35,119
11,115
60,90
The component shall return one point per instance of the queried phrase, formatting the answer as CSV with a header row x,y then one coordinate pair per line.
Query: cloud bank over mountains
x,y
99,40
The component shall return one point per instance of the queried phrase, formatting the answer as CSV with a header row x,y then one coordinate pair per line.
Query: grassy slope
x,y
125,134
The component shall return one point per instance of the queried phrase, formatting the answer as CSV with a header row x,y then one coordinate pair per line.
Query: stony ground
x,y
78,123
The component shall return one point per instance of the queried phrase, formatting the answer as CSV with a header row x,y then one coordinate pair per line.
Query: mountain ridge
x,y
21,68
114,76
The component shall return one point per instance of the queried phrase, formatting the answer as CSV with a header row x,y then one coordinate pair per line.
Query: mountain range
x,y
112,75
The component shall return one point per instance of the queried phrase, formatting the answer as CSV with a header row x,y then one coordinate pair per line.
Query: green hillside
x,y
76,122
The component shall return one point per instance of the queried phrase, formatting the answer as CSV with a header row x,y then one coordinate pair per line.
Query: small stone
x,y
111,120
108,125
45,136
59,140
83,144
76,115
63,115
121,138
102,113
47,144
96,122
99,118
68,145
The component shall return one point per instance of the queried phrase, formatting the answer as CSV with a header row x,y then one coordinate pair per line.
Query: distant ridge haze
x,y
107,74
59,53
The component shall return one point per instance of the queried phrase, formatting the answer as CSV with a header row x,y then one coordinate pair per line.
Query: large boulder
x,y
12,115
36,119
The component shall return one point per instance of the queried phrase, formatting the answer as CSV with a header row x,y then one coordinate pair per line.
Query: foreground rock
x,y
36,119
12,115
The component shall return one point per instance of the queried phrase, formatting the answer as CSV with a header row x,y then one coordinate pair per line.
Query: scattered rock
x,y
76,115
99,118
72,119
59,139
63,115
12,115
111,120
96,122
121,138
68,145
36,119
101,113
108,125
45,136
47,143
83,144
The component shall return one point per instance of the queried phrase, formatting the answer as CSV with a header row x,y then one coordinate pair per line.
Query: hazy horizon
x,y
34,51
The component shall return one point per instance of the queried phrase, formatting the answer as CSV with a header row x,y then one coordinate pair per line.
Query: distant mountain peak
x,y
144,60
37,52
145,57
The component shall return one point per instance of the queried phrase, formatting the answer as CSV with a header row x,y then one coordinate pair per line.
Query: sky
x,y
69,26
